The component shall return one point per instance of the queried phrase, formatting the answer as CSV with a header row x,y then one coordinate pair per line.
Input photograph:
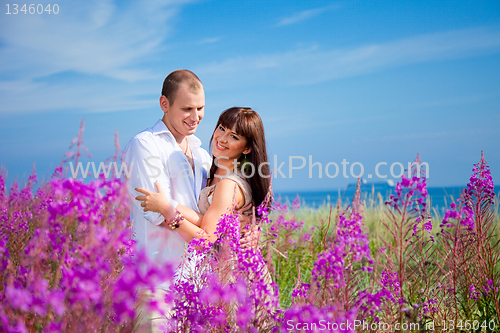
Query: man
x,y
170,153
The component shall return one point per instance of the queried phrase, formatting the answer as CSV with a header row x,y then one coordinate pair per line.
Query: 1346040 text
x,y
14,9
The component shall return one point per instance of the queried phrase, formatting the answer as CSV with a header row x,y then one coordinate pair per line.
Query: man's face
x,y
182,117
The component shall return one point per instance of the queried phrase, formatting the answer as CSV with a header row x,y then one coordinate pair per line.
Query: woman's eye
x,y
234,137
221,128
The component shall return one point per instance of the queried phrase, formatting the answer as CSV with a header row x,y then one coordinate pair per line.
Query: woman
x,y
239,174
238,141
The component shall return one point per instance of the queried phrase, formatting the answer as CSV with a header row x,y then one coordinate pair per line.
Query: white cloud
x,y
304,15
314,65
97,39
20,96
94,37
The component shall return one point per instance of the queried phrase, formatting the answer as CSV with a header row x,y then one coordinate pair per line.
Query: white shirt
x,y
156,156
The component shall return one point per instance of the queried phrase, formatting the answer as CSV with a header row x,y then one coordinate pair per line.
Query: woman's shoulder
x,y
242,183
238,178
236,175
230,181
225,190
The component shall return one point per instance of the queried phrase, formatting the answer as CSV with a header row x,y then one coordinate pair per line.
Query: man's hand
x,y
251,238
155,202
246,219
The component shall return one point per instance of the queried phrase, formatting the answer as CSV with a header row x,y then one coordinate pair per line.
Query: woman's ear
x,y
247,150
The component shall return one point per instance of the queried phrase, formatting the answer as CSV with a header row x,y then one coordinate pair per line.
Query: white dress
x,y
262,317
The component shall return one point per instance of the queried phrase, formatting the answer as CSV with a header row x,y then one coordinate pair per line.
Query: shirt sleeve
x,y
145,167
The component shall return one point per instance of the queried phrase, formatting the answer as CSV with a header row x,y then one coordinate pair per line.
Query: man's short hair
x,y
174,80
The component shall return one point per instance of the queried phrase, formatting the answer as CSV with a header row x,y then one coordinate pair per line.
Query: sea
x,y
440,198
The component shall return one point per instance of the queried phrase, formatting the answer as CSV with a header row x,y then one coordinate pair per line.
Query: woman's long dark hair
x,y
246,122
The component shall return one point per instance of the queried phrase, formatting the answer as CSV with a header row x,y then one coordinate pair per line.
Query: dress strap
x,y
243,184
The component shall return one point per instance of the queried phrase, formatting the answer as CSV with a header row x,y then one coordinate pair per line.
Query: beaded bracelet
x,y
175,222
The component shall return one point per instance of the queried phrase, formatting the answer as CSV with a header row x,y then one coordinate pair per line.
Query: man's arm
x,y
145,167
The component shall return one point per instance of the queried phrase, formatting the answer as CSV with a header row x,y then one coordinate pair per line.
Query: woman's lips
x,y
219,146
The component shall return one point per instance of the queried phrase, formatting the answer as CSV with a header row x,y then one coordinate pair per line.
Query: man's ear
x,y
247,150
164,103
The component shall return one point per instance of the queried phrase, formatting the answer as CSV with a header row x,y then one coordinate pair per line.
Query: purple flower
x,y
301,291
296,203
351,244
390,282
18,298
411,195
474,293
481,185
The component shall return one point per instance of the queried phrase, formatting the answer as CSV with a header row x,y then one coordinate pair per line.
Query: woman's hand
x,y
155,202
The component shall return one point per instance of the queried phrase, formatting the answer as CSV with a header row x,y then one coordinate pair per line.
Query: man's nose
x,y
194,116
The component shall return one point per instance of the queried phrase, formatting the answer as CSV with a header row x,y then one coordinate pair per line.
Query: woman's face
x,y
227,143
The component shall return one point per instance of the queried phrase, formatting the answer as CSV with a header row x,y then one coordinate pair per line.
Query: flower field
x,y
68,264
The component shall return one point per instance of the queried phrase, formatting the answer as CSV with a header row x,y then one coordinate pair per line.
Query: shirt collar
x,y
160,128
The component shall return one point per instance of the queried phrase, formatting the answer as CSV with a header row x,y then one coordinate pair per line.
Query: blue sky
x,y
365,81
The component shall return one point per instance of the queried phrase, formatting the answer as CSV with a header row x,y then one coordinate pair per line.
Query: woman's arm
x,y
190,215
158,202
221,202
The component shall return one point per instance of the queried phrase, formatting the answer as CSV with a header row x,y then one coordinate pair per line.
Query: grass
x,y
293,257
